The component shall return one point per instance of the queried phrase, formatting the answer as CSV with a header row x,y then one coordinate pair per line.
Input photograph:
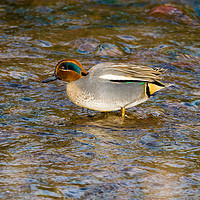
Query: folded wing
x,y
127,73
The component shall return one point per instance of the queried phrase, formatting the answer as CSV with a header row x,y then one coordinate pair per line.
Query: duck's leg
x,y
123,112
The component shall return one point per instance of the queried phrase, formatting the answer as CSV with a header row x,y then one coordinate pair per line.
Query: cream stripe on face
x,y
117,77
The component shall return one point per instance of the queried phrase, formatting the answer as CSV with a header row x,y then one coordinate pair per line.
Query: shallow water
x,y
53,149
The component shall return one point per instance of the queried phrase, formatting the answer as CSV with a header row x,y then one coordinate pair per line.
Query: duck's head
x,y
67,70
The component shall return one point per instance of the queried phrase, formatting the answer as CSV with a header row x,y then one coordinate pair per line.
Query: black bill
x,y
52,78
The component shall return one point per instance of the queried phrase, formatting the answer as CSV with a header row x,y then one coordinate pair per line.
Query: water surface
x,y
53,149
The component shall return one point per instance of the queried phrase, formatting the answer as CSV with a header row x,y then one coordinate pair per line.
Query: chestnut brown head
x,y
67,70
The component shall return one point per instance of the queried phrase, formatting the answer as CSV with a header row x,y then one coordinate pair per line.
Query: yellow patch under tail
x,y
154,88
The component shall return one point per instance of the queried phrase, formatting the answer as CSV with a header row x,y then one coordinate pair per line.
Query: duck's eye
x,y
62,67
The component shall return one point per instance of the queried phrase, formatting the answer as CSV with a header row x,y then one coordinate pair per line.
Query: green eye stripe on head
x,y
71,66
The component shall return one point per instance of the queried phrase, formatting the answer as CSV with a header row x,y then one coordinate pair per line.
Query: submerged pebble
x,y
91,45
43,43
107,49
27,99
170,12
87,48
84,45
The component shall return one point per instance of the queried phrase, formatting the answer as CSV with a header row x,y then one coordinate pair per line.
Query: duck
x,y
107,86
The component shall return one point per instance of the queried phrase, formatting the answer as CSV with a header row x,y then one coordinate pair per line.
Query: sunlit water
x,y
53,149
